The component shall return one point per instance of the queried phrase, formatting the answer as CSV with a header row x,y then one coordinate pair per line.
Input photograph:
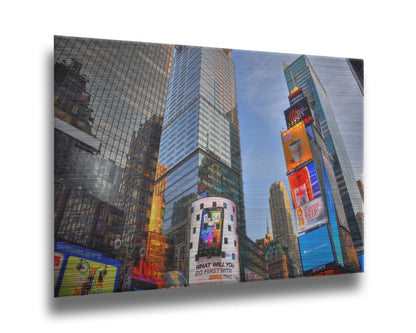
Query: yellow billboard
x,y
296,146
87,277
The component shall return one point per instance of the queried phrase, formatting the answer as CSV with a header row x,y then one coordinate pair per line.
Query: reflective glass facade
x,y
126,83
302,75
200,139
109,99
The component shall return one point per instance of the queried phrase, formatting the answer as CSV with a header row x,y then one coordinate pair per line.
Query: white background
x,y
381,32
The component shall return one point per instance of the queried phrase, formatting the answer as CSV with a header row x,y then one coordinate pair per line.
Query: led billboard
x,y
84,272
213,242
311,214
295,96
296,146
304,185
298,112
316,250
210,235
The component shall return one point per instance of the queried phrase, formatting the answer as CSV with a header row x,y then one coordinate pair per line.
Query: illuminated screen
x,y
211,229
316,249
297,112
304,185
211,232
86,277
296,146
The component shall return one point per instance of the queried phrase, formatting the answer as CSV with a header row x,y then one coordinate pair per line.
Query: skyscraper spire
x,y
268,235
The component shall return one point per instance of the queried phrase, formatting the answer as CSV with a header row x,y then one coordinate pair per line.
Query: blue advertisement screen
x,y
314,180
315,248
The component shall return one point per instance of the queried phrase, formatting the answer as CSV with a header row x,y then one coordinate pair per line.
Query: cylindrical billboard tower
x,y
213,254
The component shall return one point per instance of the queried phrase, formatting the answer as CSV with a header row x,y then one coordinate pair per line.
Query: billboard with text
x,y
296,146
316,249
298,112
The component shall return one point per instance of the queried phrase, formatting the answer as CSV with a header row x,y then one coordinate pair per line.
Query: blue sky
x,y
262,98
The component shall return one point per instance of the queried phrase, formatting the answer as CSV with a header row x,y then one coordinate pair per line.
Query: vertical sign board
x,y
306,198
83,271
296,146
316,250
304,185
298,112
213,242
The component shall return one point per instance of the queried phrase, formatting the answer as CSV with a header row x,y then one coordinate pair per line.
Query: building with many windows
x,y
200,141
300,74
282,225
109,102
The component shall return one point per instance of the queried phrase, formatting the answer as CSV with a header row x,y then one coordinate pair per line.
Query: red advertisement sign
x,y
300,187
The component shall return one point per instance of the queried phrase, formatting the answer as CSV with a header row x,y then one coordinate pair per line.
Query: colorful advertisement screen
x,y
311,214
316,249
211,232
295,96
298,112
304,185
84,272
296,146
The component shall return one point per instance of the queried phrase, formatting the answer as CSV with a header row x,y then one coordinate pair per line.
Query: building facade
x,y
300,74
276,261
200,142
282,225
110,98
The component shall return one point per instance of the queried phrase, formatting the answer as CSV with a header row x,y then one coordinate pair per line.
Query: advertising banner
x,y
311,214
210,236
315,249
84,272
298,112
295,96
296,146
304,185
214,249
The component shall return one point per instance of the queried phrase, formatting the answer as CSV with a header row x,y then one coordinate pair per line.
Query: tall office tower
x,y
300,74
109,93
282,225
200,141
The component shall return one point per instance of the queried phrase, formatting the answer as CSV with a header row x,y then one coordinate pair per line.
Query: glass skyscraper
x,y
301,74
200,142
109,102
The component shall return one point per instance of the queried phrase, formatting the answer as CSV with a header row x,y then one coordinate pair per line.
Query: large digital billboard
x,y
316,250
83,271
304,185
296,146
213,242
295,96
210,235
311,214
298,112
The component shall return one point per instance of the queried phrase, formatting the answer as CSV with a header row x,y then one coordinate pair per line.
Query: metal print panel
x,y
170,161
